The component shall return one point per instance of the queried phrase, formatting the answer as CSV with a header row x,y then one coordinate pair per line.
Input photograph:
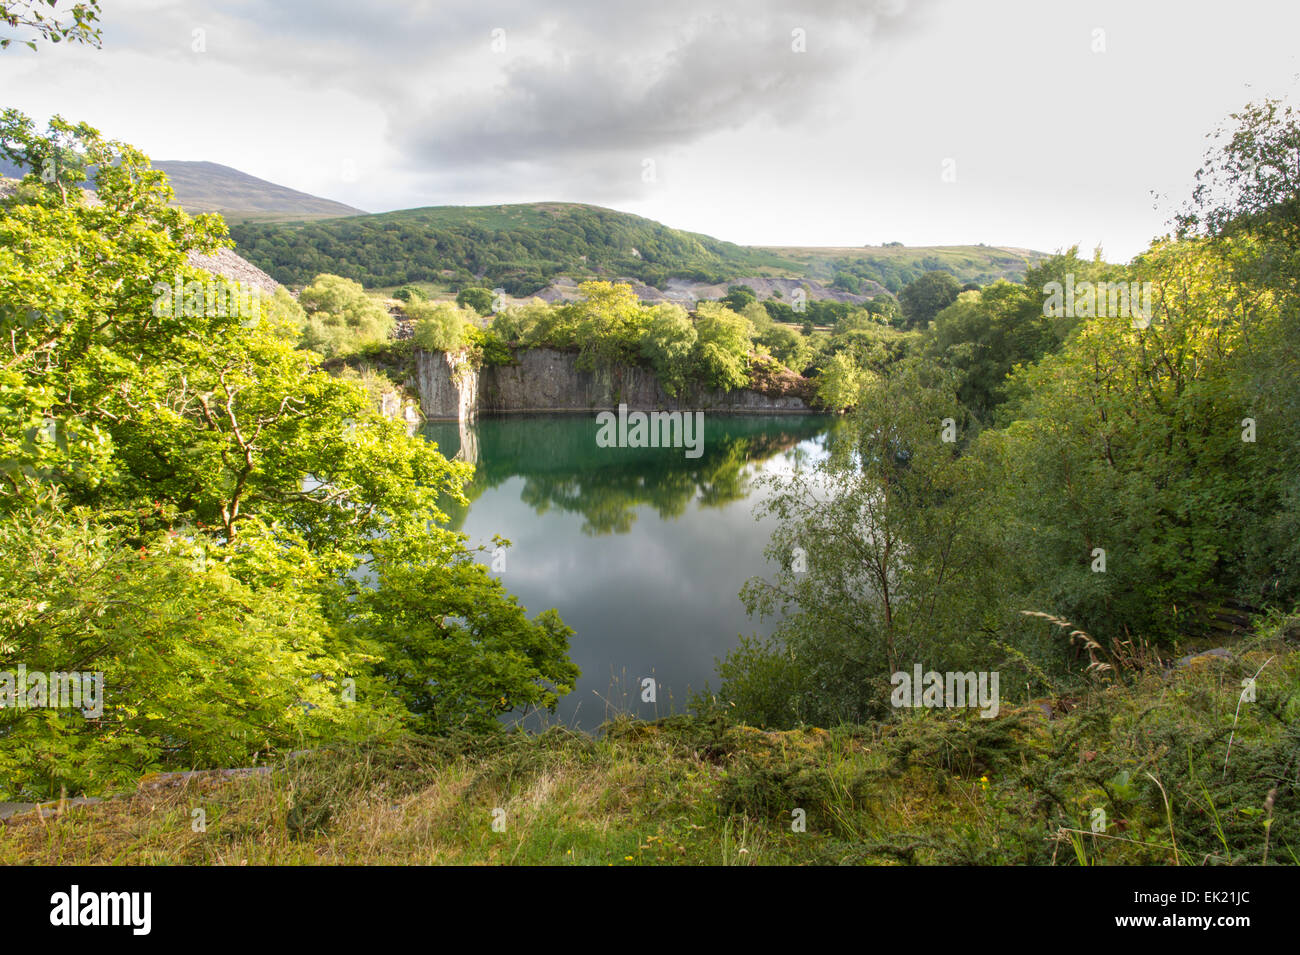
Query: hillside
x,y
1141,773
894,265
212,187
525,248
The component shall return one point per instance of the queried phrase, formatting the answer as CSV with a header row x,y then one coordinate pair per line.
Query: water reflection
x,y
563,467
642,550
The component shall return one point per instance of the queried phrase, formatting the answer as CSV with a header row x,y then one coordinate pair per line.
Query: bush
x,y
667,344
341,316
439,326
480,300
722,347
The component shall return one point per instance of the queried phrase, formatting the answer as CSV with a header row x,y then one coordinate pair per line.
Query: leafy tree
x,y
479,299
841,383
879,554
80,26
608,323
410,293
983,335
1250,181
668,344
266,505
738,297
439,326
722,346
926,297
341,316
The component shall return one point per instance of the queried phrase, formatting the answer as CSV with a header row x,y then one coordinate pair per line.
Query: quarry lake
x,y
643,551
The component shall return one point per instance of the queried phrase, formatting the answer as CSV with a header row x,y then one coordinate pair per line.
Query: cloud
x,y
480,95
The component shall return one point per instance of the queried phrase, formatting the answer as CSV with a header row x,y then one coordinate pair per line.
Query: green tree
x,y
341,317
879,558
439,326
608,323
81,25
926,297
668,343
841,383
480,300
279,506
722,346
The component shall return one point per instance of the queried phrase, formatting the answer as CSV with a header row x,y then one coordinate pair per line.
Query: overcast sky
x,y
843,122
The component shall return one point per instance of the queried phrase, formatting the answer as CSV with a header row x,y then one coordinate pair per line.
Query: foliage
x,y
439,326
878,553
341,317
926,297
82,27
209,438
722,346
841,383
480,300
668,345
519,248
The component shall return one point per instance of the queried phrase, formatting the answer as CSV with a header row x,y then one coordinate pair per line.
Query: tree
x,y
926,297
341,316
879,558
1251,182
439,326
983,335
668,343
81,25
722,346
480,300
841,383
739,296
277,506
608,323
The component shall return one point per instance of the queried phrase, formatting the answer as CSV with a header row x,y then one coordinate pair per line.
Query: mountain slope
x,y
212,187
523,248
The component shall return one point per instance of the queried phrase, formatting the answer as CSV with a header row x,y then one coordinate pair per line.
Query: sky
x,y
1030,123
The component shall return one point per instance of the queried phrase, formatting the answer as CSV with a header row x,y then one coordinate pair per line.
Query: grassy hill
x,y
893,266
521,248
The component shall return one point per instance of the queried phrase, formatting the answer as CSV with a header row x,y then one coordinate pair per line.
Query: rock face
x,y
548,380
448,386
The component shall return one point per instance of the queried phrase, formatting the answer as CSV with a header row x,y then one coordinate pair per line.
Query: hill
x,y
524,248
212,187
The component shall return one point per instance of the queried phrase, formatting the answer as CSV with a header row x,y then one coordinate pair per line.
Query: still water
x,y
643,551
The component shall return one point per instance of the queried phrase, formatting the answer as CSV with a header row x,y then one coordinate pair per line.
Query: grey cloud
x,y
584,90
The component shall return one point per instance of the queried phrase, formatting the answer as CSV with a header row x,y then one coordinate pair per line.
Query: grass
x,y
933,787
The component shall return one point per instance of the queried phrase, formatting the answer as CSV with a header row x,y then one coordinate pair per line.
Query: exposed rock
x,y
544,379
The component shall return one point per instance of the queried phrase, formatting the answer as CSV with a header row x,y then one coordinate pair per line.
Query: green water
x,y
643,551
